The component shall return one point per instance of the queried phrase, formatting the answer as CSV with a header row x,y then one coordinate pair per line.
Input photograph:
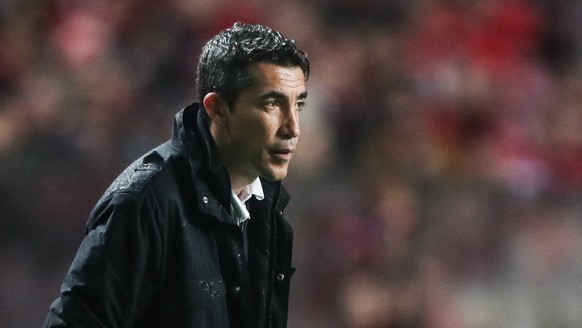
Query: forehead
x,y
272,76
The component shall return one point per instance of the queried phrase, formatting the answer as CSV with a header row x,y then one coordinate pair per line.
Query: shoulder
x,y
147,186
151,176
133,179
138,174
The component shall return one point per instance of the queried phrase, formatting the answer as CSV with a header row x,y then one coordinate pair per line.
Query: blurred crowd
x,y
438,182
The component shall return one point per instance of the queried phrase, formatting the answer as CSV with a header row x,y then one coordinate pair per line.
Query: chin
x,y
275,175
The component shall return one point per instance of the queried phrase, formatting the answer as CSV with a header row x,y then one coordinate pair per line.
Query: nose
x,y
290,126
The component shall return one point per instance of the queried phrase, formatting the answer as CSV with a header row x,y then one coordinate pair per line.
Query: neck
x,y
237,191
223,153
237,185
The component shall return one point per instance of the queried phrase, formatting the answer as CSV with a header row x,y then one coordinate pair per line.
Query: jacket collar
x,y
192,139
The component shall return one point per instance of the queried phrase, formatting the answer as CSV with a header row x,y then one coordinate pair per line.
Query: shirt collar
x,y
253,189
239,209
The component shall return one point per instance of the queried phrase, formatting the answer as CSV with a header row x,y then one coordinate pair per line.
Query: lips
x,y
282,153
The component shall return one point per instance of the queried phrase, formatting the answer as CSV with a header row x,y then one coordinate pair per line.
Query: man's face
x,y
262,129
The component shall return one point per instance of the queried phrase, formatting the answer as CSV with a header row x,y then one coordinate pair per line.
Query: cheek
x,y
255,131
271,126
262,130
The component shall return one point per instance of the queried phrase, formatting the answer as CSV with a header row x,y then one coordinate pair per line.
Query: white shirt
x,y
237,202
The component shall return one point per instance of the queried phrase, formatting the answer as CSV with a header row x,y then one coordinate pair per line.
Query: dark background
x,y
439,176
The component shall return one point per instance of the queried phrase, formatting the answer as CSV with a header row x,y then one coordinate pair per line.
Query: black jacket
x,y
163,250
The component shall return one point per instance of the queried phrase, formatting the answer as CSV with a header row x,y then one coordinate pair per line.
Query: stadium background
x,y
438,179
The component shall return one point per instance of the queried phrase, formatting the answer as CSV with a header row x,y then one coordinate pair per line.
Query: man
x,y
192,233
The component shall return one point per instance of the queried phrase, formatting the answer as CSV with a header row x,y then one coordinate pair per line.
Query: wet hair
x,y
223,64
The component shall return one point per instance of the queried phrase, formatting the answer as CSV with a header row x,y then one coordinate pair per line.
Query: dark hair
x,y
223,64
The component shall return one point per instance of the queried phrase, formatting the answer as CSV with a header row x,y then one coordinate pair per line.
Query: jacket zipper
x,y
272,255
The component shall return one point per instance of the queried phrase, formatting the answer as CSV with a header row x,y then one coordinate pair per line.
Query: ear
x,y
215,107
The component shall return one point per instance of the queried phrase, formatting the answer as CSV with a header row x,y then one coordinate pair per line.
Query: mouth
x,y
283,154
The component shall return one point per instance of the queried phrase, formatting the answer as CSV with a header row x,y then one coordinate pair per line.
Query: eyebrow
x,y
277,94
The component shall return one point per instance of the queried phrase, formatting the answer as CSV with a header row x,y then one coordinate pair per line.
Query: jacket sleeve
x,y
114,273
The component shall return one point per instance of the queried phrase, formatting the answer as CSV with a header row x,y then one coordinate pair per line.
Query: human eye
x,y
300,104
271,104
